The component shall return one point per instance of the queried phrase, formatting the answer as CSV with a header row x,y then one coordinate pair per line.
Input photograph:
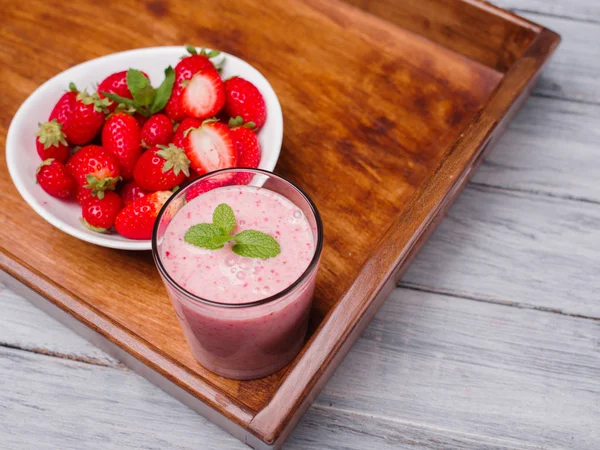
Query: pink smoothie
x,y
251,341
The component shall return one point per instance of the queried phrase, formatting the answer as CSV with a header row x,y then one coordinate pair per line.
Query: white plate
x,y
23,160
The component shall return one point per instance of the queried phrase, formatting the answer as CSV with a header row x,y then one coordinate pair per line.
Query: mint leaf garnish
x,y
224,217
138,85
206,235
213,236
255,244
164,91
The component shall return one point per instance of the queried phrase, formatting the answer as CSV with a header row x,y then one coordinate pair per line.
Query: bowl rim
x,y
105,240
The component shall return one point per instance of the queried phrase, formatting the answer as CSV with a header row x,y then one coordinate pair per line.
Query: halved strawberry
x,y
194,63
204,95
210,147
186,124
136,220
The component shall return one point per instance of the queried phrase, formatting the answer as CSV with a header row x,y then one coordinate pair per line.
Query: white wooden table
x,y
491,341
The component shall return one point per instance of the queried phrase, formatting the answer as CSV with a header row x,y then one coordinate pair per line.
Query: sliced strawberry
x,y
186,124
204,95
210,147
136,220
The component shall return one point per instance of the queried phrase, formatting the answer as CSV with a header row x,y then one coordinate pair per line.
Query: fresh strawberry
x,y
186,124
121,137
248,150
210,147
87,118
99,214
83,195
158,130
140,119
130,191
54,178
63,109
51,142
116,84
190,65
161,168
243,99
204,95
94,168
136,220
174,108
202,186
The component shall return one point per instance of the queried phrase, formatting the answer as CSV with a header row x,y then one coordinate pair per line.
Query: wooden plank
x,y
431,372
572,73
514,248
473,367
53,403
26,327
550,148
583,10
56,403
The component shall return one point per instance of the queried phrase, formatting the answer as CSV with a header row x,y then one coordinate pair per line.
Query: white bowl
x,y
23,160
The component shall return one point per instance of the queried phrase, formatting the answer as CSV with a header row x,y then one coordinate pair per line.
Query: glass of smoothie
x,y
238,251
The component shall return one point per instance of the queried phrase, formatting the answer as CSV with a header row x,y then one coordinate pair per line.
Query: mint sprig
x,y
213,236
146,100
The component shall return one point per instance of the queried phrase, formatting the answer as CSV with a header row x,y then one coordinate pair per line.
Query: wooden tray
x,y
389,106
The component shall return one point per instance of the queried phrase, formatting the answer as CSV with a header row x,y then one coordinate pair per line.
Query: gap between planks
x,y
465,296
531,192
67,356
554,16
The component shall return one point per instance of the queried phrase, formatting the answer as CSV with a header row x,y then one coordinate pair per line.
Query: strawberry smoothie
x,y
243,317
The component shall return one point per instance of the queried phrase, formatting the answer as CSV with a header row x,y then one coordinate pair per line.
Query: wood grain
x,y
549,149
572,73
395,139
487,248
460,25
580,10
442,373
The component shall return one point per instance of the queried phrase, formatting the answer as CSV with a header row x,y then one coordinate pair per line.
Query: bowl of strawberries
x,y
98,149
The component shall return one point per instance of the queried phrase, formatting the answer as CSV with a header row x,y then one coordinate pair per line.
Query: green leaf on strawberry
x,y
146,99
